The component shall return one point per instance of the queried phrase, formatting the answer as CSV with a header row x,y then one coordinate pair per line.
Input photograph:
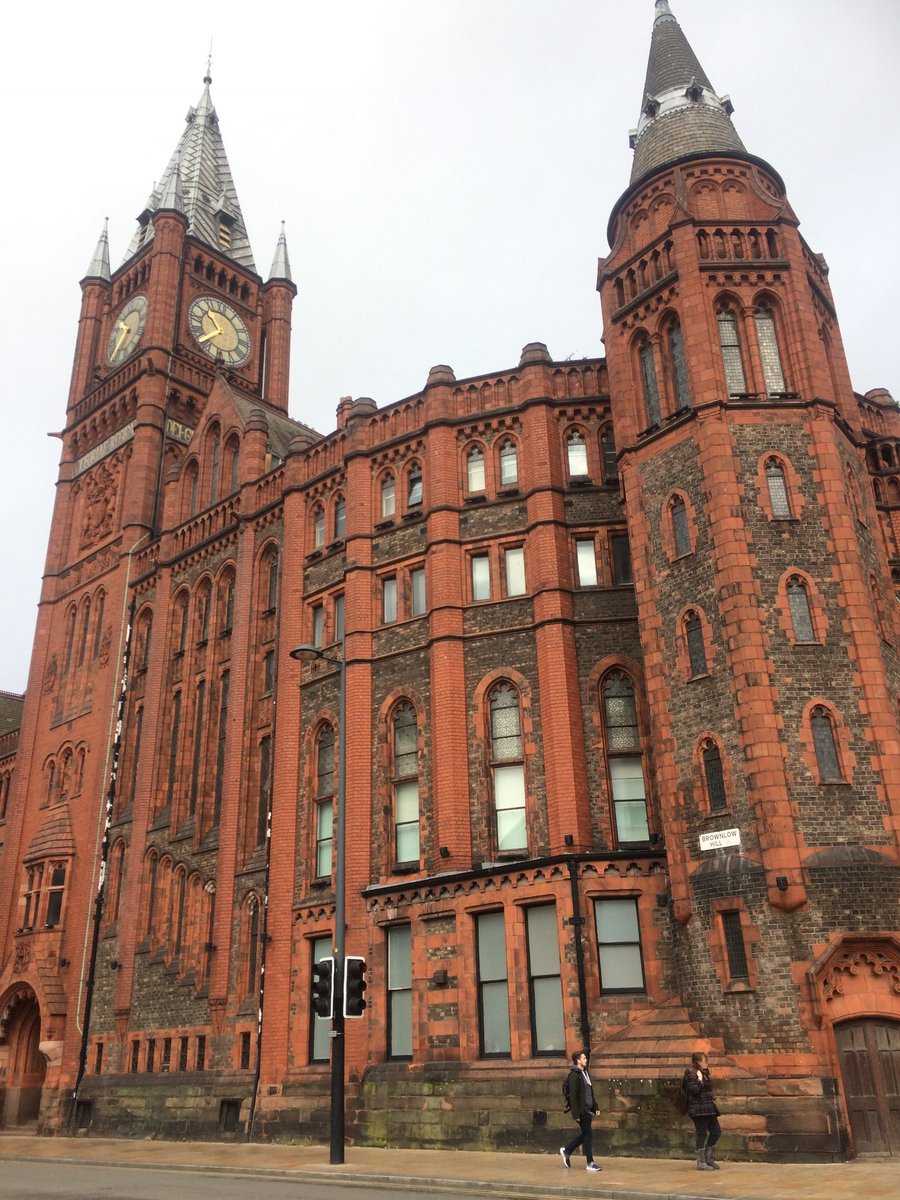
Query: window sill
x,y
477,498
508,491
413,516
405,868
337,544
321,881
581,481
314,554
387,523
738,987
703,675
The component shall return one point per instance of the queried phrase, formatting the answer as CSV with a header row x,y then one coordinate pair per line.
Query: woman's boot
x,y
702,1164
711,1158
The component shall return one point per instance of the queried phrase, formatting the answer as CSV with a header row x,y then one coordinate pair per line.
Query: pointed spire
x,y
172,198
681,113
281,264
198,182
99,268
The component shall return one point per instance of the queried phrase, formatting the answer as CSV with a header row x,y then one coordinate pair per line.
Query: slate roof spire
x,y
198,182
99,268
681,113
281,264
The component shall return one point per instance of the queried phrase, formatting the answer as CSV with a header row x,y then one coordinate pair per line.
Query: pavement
x,y
470,1172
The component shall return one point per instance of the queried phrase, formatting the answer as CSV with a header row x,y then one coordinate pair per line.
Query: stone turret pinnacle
x,y
281,264
197,181
99,268
681,114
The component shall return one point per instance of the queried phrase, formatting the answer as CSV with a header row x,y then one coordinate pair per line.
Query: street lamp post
x,y
310,653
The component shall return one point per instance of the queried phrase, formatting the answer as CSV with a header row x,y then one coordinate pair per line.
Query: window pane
x,y
801,619
401,1025
515,572
511,831
414,496
417,580
491,946
509,464
576,450
319,529
696,648
621,556
495,1017
549,1032
407,847
715,780
339,618
680,528
324,834
778,493
768,351
631,821
826,751
731,352
318,625
621,969
475,469
627,778
387,496
734,945
389,600
587,563
506,728
651,392
399,957
481,577
340,519
621,715
617,921
406,798
679,369
543,940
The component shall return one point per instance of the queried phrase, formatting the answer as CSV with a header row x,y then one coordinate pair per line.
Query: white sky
x,y
446,170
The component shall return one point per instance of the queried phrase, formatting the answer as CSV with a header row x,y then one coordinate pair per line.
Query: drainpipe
x,y
577,921
104,855
264,931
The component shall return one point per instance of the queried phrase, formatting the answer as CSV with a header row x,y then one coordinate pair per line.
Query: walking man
x,y
581,1100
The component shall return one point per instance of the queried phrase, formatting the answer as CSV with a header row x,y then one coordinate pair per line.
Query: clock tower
x,y
185,308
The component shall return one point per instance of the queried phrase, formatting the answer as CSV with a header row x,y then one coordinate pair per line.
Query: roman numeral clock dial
x,y
219,331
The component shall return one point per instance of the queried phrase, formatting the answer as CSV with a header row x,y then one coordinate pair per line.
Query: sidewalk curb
x,y
339,1176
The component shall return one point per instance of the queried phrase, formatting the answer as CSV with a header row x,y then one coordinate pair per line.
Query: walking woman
x,y
701,1107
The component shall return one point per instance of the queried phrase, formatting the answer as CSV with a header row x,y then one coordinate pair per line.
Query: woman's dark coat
x,y
699,1092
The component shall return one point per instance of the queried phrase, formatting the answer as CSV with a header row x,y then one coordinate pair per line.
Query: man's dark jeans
x,y
583,1139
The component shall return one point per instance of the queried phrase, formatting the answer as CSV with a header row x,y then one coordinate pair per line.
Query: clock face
x,y
126,331
219,331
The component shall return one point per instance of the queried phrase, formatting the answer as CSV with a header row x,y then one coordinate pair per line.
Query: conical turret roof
x,y
198,182
681,113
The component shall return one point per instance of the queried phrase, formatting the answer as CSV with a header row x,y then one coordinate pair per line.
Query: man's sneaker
x,y
564,1156
593,1167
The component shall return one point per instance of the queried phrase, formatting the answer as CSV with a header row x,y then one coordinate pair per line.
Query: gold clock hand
x,y
122,336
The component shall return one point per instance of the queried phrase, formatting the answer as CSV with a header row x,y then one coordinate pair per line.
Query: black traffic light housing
x,y
354,986
323,988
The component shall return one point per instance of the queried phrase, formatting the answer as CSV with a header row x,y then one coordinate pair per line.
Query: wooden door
x,y
870,1067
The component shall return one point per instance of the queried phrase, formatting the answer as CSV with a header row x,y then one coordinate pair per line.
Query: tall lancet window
x,y
768,349
731,351
651,390
678,368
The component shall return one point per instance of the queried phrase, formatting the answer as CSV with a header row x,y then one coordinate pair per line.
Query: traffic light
x,y
323,988
354,986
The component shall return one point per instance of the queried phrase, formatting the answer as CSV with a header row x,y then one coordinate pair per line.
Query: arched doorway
x,y
25,1064
869,1051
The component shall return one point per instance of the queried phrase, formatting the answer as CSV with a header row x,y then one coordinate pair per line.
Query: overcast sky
x,y
445,168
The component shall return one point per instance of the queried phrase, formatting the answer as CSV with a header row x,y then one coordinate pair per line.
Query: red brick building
x,y
622,723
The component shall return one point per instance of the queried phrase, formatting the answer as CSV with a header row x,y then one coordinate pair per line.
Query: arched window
x,y
576,454
678,367
801,615
388,497
776,482
693,634
251,979
405,772
825,744
475,470
204,598
192,487
767,339
144,636
509,464
414,486
324,801
608,455
173,750
262,795
34,879
271,581
198,755
714,777
340,518
232,463
221,735
98,622
624,759
651,390
681,533
71,617
507,768
226,604
215,464
181,624
177,911
117,875
319,527
85,625
730,342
